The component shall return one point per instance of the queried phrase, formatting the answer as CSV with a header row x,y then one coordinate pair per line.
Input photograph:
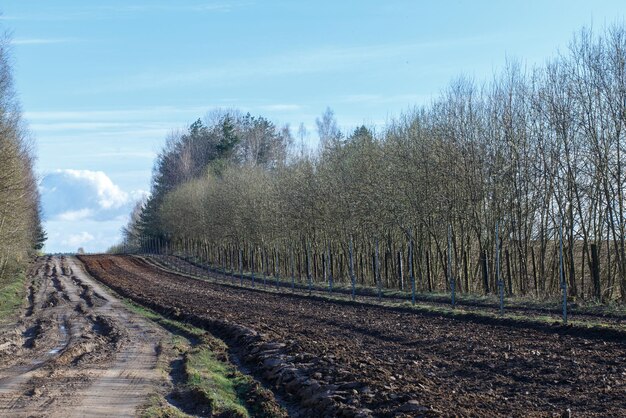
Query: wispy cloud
x,y
41,41
111,126
99,126
77,126
133,115
55,16
109,12
125,154
281,107
213,6
149,122
378,99
313,61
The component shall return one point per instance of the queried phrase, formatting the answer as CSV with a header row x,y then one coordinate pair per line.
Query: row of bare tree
x,y
530,151
21,234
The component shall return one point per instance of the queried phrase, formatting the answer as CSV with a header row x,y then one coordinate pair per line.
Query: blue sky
x,y
103,83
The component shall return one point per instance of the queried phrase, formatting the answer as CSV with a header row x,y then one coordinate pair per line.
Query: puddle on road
x,y
63,342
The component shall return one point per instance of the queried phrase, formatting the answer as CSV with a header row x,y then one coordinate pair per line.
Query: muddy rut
x,y
76,351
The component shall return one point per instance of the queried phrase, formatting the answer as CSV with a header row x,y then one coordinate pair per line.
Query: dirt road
x,y
77,351
356,360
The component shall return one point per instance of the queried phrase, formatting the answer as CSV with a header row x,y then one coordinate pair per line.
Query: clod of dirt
x,y
31,335
34,392
412,406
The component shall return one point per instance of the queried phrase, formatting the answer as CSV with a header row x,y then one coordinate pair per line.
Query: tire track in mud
x,y
77,351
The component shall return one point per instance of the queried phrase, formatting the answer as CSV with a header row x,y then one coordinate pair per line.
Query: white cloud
x,y
70,195
109,194
79,239
137,195
66,236
77,201
75,215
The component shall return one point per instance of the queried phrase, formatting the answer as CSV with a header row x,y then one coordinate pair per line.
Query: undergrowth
x,y
12,294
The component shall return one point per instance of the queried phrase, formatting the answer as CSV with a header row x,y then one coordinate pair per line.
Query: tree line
x,y
21,233
532,152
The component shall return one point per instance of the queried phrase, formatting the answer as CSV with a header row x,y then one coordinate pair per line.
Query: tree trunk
x,y
595,272
485,263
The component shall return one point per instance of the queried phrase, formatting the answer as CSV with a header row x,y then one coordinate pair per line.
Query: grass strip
x,y
12,295
217,383
210,379
157,407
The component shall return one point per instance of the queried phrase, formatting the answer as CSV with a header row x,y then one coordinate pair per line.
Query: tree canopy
x,y
21,232
531,152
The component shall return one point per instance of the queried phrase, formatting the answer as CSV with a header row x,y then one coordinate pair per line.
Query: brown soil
x,y
518,306
346,359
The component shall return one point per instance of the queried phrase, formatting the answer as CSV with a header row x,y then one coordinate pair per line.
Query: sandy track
x,y
77,351
389,362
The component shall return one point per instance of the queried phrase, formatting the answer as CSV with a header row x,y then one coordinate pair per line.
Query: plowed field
x,y
337,359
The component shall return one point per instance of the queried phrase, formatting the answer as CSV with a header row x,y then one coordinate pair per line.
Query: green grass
x,y
540,320
175,327
210,378
157,407
12,294
229,392
216,381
